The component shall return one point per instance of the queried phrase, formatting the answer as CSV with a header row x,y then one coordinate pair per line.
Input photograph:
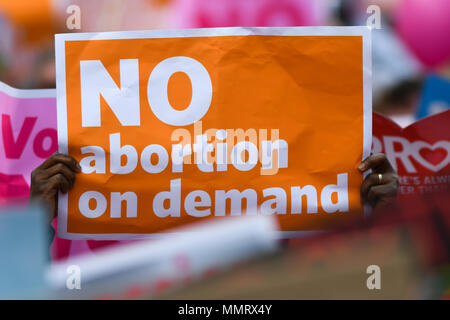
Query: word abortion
x,y
244,156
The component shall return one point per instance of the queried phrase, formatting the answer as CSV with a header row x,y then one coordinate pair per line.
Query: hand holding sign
x,y
380,186
57,173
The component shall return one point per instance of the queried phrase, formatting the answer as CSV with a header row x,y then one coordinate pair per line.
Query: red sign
x,y
419,152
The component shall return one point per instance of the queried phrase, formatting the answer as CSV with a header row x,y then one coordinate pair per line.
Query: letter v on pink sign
x,y
14,148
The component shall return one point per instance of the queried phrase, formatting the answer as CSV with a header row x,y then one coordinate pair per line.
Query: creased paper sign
x,y
174,127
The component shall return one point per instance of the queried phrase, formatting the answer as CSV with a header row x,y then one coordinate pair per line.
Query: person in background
x,y
400,102
58,173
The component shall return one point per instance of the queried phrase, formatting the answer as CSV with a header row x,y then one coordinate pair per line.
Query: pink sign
x,y
248,13
28,137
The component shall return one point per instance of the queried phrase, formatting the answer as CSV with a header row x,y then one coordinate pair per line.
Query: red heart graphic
x,y
435,156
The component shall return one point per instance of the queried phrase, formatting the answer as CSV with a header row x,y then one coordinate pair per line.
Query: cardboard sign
x,y
173,127
27,138
420,152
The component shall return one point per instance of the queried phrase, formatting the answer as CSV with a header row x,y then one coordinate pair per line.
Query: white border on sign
x,y
27,93
60,39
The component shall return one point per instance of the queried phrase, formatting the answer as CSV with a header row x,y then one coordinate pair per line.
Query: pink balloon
x,y
424,25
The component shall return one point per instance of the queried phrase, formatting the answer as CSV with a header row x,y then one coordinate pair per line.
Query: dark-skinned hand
x,y
381,186
57,173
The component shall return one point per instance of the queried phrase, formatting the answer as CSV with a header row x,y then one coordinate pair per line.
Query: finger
x,y
59,182
377,162
370,181
380,192
59,168
61,158
373,179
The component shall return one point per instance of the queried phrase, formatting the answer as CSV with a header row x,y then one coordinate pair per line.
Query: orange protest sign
x,y
173,127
